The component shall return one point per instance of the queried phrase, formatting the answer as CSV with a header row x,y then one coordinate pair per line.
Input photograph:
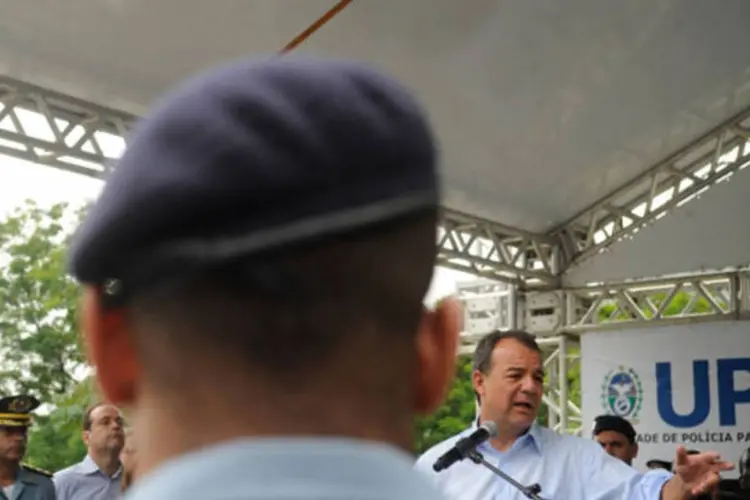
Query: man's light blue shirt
x,y
566,467
288,469
84,480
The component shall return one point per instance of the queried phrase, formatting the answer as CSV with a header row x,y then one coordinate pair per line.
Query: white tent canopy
x,y
542,107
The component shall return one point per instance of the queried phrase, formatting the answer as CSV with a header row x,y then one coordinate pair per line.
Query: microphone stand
x,y
531,492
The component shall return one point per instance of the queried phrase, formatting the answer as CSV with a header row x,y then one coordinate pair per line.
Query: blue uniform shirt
x,y
566,467
30,485
286,469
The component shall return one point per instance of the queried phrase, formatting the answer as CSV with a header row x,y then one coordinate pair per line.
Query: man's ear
x,y
477,382
110,349
437,343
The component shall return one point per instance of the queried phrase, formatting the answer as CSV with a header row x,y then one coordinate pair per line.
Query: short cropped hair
x,y
87,422
482,360
290,312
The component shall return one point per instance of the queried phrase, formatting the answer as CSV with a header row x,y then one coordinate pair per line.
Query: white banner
x,y
677,385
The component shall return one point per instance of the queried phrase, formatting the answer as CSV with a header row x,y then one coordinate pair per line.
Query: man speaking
x,y
508,378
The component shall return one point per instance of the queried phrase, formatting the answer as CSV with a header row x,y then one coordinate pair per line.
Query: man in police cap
x,y
617,436
254,272
17,480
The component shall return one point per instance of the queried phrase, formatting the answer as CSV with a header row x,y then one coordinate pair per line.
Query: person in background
x,y
99,475
18,480
257,256
508,376
617,436
127,457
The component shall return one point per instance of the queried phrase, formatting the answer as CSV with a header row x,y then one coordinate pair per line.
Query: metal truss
x,y
640,303
674,300
487,306
563,402
53,129
491,250
682,176
49,128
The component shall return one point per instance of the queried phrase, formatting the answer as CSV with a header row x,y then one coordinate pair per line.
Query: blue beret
x,y
255,157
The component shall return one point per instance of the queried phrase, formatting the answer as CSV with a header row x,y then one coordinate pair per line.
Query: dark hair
x,y
482,360
614,423
87,422
310,303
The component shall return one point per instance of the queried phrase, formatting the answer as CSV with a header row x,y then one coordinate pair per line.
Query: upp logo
x,y
622,393
732,391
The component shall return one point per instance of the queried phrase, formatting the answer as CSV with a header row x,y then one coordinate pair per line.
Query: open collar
x,y
88,467
533,435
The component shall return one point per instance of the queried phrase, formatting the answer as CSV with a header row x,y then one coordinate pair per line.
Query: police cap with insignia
x,y
614,423
15,411
252,158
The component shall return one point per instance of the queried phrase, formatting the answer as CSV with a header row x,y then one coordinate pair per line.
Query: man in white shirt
x,y
508,378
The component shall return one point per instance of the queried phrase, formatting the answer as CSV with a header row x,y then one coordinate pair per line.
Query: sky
x,y
21,180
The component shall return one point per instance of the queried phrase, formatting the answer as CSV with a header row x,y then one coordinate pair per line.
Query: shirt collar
x,y
88,466
533,436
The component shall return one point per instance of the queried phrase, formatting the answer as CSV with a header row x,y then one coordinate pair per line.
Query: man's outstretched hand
x,y
694,474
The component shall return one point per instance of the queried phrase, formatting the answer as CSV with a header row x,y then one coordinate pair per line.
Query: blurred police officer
x,y
17,480
254,272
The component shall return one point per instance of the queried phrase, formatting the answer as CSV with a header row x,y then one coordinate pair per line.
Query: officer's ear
x,y
110,349
437,341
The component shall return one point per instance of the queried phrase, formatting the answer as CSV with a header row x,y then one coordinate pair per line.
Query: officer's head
x,y
617,436
266,241
15,420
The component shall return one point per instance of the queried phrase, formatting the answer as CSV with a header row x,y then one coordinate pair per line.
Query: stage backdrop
x,y
677,385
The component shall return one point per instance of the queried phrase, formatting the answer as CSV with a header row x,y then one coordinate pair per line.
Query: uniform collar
x,y
25,476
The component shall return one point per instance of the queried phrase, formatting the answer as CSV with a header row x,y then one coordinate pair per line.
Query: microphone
x,y
464,446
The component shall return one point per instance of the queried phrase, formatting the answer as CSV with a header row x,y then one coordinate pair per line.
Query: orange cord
x,y
307,33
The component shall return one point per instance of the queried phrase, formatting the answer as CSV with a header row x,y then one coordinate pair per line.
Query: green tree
x,y
39,340
453,416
